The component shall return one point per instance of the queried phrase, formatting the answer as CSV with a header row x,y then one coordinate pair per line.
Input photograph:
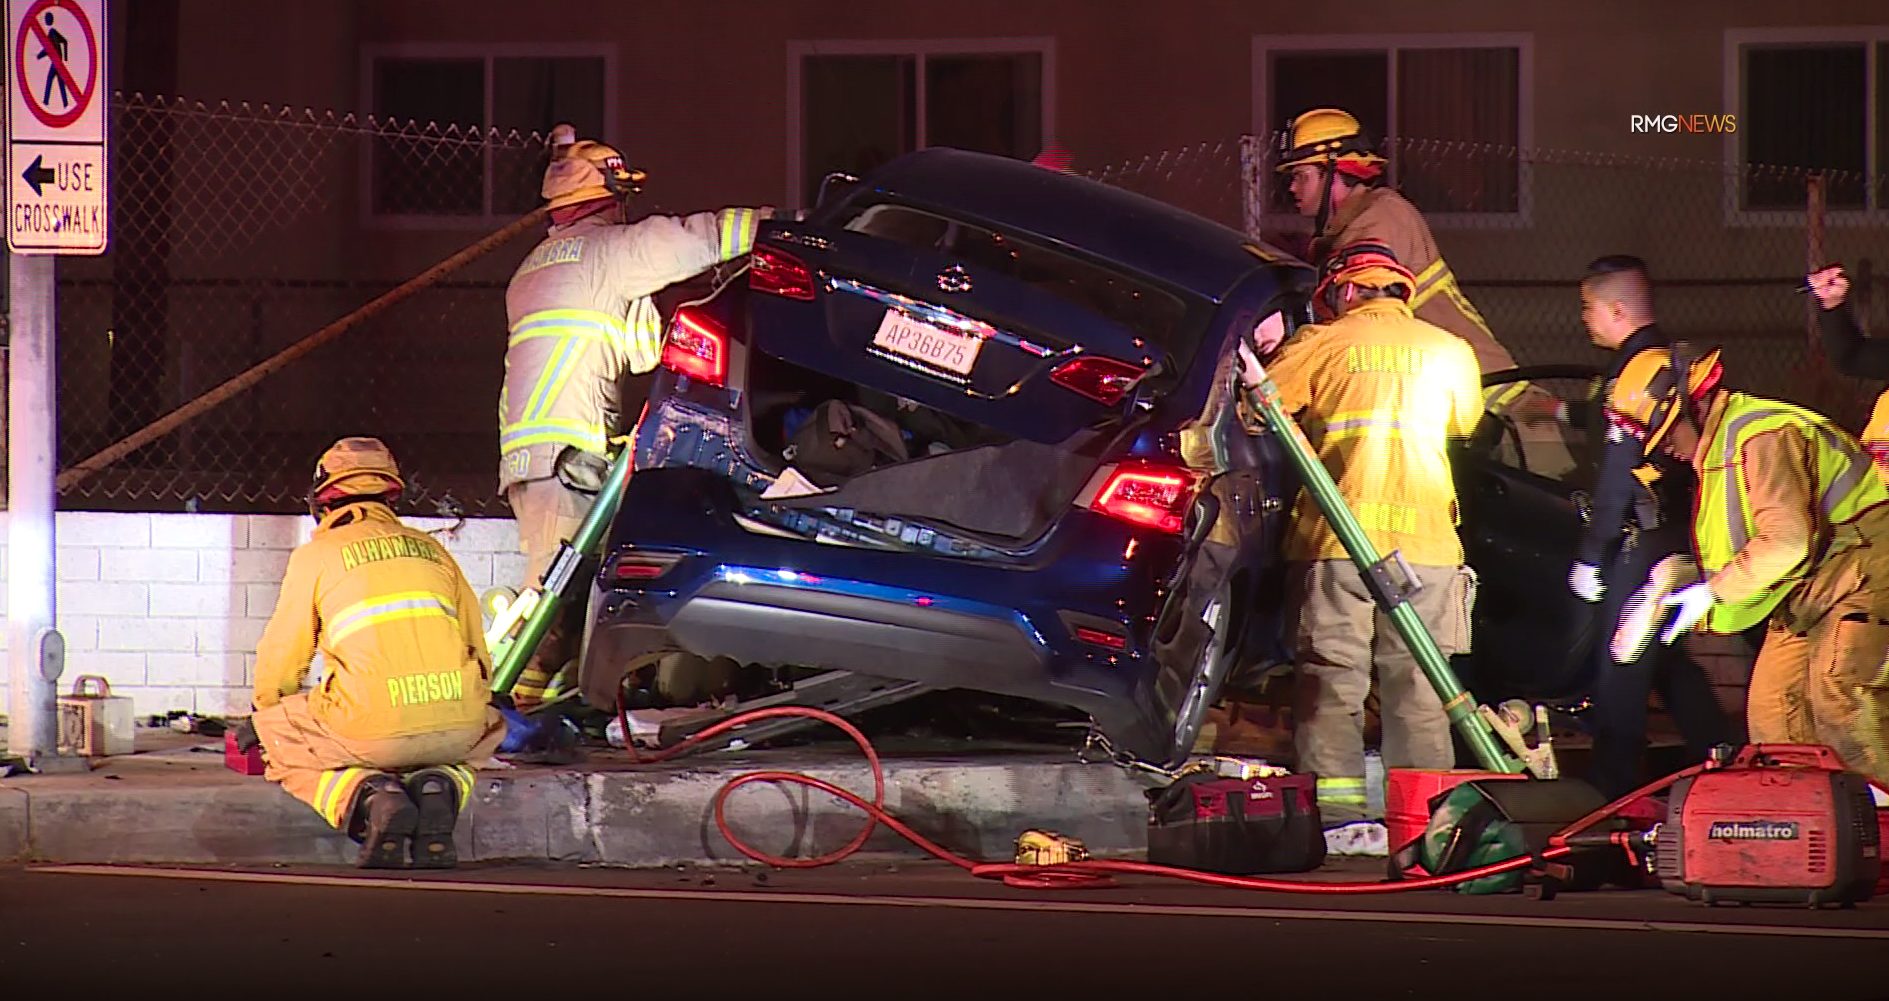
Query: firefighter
x,y
1636,522
1336,176
381,747
1380,394
581,316
1792,532
1335,179
1853,354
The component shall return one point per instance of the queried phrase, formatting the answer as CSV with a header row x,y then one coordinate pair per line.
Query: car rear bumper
x,y
780,625
941,644
1009,629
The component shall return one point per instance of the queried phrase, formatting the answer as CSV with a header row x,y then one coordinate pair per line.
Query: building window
x,y
862,103
1454,109
1812,104
452,171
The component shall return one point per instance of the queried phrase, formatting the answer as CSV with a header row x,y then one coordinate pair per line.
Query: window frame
x,y
372,53
1522,41
1872,37
798,50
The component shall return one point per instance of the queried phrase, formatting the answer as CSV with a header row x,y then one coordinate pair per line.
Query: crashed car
x,y
1043,489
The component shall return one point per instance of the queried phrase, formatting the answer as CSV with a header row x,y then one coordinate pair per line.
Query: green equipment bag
x,y
1482,823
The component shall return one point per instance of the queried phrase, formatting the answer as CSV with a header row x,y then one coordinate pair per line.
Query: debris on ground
x,y
185,721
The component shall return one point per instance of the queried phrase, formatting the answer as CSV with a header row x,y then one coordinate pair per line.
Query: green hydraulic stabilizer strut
x,y
520,626
1390,581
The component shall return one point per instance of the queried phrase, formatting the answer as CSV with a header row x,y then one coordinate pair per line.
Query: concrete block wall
x,y
168,607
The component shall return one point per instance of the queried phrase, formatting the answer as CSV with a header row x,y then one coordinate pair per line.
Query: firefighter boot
x,y
382,819
440,792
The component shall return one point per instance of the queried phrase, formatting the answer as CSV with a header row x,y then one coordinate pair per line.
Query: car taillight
x,y
638,565
697,347
1099,638
1098,378
1146,494
777,272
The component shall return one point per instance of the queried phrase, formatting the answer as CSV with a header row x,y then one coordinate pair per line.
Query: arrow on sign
x,y
37,175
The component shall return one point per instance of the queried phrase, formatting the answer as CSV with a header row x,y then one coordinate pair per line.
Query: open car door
x,y
1522,481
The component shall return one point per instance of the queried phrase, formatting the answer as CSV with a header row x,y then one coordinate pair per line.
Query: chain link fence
x,y
240,232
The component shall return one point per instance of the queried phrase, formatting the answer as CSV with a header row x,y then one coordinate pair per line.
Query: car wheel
x,y
1209,671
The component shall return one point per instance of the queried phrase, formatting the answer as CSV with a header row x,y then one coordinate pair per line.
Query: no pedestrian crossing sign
x,y
56,108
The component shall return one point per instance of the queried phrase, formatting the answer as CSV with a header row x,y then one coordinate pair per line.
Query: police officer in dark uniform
x,y
1641,513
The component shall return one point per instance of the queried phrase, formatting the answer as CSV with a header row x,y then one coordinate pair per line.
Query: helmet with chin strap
x,y
1646,398
1366,263
1334,140
354,467
586,170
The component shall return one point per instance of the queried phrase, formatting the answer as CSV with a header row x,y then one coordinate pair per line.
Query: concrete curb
x,y
188,811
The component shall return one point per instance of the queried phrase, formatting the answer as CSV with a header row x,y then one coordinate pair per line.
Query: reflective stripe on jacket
x,y
1382,394
397,624
1384,215
580,315
556,408
1782,490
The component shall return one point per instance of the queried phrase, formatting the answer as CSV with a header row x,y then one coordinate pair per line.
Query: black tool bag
x,y
1238,827
842,440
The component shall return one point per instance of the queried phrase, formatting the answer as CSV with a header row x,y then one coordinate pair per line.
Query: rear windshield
x,y
1149,312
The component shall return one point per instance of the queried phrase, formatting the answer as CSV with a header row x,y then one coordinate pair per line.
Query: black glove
x,y
246,738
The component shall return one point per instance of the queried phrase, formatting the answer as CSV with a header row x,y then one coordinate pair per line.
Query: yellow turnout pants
x,y
324,770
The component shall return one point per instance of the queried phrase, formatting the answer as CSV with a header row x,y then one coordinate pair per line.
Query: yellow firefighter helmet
x,y
1328,134
585,170
355,467
1645,397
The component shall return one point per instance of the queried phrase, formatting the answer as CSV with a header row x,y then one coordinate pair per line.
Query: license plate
x,y
922,342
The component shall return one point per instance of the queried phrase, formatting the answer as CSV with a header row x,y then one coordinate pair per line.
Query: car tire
x,y
1210,669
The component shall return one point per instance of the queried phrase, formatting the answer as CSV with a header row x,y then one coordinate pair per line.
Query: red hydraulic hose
x,y
1091,873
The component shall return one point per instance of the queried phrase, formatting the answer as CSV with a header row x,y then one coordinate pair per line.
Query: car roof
x,y
1139,233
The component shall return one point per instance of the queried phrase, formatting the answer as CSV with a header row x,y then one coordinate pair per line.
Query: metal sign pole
x,y
56,182
35,654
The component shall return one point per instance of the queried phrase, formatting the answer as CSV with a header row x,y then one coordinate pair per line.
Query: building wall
x,y
168,607
701,93
270,244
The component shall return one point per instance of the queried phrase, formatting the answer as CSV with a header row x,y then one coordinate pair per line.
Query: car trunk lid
x,y
1031,341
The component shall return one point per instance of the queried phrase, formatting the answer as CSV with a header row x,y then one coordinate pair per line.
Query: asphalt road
x,y
915,931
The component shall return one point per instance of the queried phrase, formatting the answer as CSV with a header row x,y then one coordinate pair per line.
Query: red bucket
x,y
242,763
1407,801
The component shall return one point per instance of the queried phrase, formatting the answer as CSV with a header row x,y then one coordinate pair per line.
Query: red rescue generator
x,y
1780,823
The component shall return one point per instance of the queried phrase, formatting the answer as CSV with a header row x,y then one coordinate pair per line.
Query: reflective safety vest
x,y
1724,523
